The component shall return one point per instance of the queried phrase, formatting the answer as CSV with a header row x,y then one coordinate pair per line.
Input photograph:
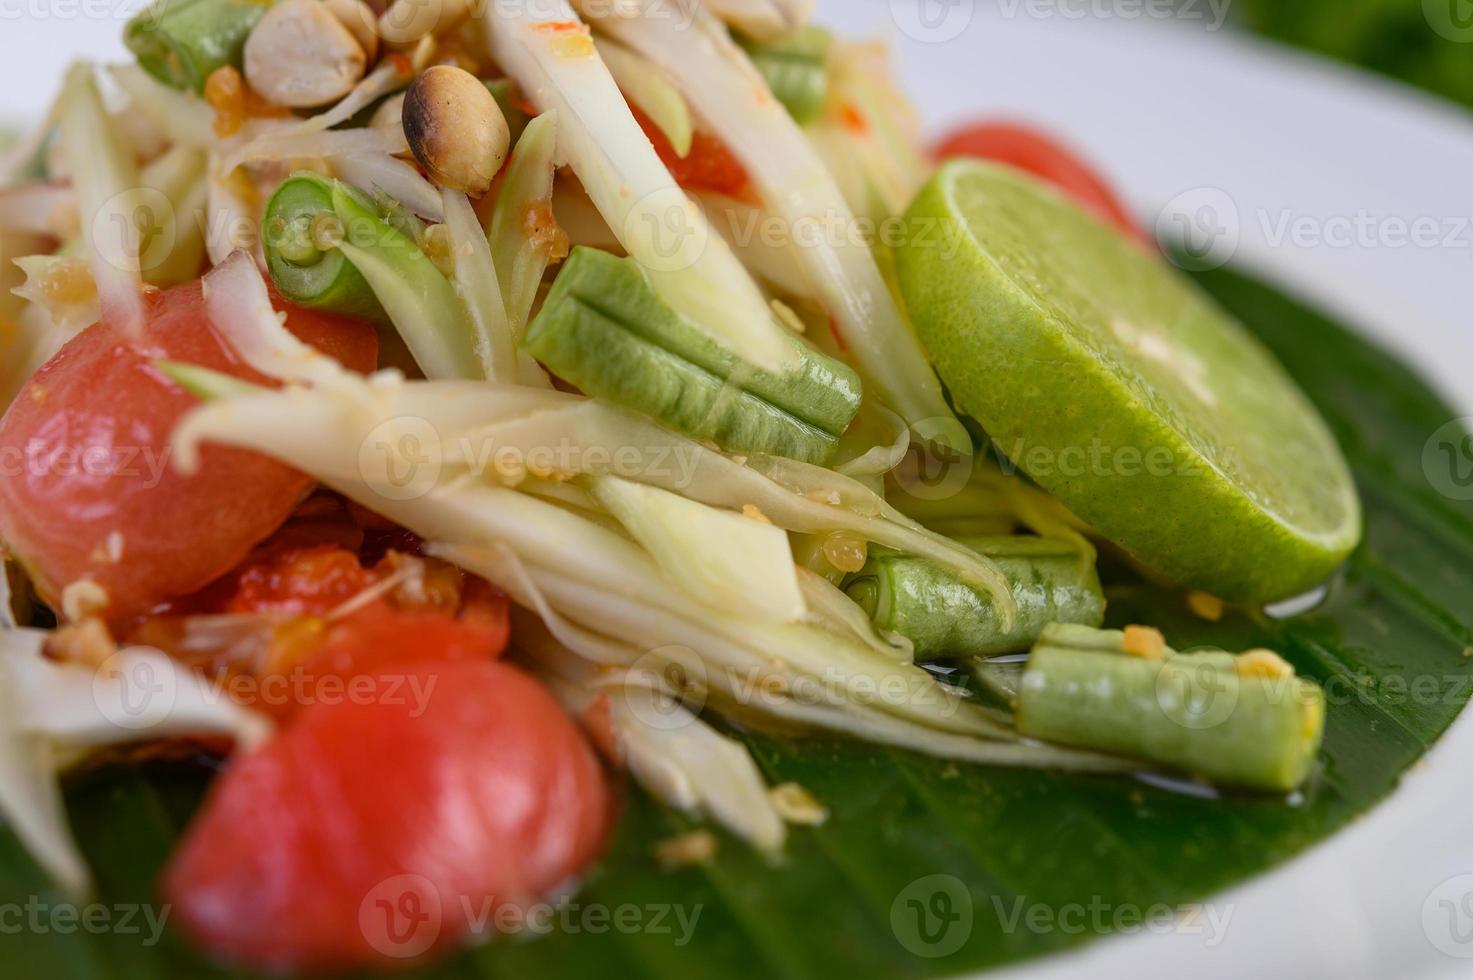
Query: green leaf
x,y
1015,842
1420,43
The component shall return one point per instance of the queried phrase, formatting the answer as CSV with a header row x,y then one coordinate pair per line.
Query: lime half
x,y
1116,384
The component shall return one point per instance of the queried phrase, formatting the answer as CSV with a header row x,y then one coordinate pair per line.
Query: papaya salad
x,y
454,417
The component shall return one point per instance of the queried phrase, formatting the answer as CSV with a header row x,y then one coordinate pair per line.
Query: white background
x,y
1171,109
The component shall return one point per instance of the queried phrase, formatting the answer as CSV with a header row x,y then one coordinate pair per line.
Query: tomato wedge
x,y
297,623
1044,157
709,165
381,829
88,491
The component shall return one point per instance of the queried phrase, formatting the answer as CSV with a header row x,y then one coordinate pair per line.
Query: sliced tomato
x,y
381,829
309,581
294,623
1044,157
709,165
89,492
316,662
381,635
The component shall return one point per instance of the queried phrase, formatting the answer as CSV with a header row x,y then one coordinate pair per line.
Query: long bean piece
x,y
180,42
1237,720
1051,582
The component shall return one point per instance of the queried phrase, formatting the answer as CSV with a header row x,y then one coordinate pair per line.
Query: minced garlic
x,y
696,847
1143,641
1205,606
846,552
83,598
788,317
1263,663
797,806
572,46
88,643
69,283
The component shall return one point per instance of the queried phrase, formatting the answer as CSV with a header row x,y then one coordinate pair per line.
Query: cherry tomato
x,y
1044,157
381,635
295,623
89,492
309,581
708,166
318,660
379,830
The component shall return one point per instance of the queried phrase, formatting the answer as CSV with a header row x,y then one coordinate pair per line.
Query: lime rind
x,y
1121,388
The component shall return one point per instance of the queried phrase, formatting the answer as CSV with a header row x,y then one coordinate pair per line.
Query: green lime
x,y
1115,384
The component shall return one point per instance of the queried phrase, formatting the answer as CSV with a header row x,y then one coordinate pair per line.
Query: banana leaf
x,y
1422,43
860,896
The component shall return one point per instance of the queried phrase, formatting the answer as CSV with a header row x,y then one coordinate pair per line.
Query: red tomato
x,y
291,625
1032,152
708,166
317,662
374,832
86,440
380,635
300,581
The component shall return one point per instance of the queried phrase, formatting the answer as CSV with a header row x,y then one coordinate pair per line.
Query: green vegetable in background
x,y
1425,44
605,330
796,69
1243,720
180,42
1051,582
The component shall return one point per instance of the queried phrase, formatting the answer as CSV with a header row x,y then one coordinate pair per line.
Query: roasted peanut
x,y
360,20
301,56
455,129
406,21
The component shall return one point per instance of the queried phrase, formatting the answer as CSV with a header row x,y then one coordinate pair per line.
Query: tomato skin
x,y
482,795
300,581
1035,153
297,622
709,165
89,435
381,636
320,661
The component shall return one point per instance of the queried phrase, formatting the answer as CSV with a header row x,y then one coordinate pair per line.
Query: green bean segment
x,y
300,220
604,329
1215,715
331,247
796,70
180,42
1051,581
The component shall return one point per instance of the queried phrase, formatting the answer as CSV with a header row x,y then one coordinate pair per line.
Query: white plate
x,y
1266,140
